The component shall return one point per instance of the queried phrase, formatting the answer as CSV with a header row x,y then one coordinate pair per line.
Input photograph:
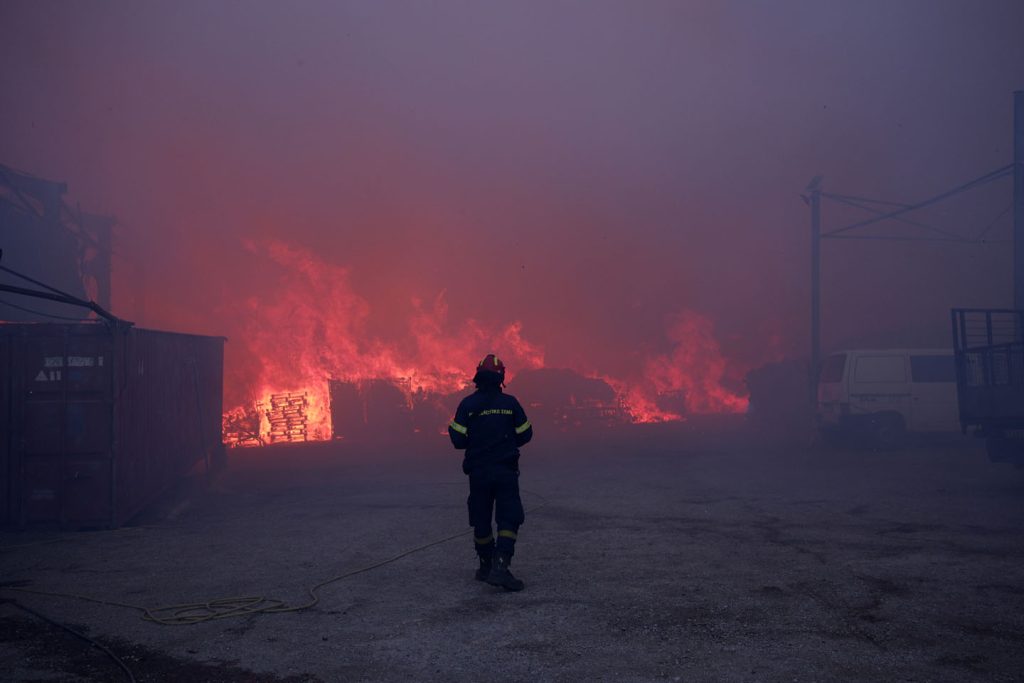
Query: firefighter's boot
x,y
485,567
501,576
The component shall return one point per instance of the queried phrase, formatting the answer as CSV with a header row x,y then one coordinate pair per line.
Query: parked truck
x,y
988,347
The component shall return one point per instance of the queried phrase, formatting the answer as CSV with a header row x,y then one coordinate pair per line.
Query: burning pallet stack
x,y
287,417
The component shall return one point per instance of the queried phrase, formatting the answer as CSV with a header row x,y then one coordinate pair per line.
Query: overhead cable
x,y
857,205
35,312
866,200
37,282
981,180
991,224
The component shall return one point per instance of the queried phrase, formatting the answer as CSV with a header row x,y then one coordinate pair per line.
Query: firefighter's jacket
x,y
490,426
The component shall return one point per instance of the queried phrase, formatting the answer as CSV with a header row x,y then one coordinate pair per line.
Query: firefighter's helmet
x,y
490,368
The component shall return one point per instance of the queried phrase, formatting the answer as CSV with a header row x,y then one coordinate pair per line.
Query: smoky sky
x,y
587,168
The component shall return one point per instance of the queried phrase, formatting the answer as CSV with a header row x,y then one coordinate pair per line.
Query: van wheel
x,y
887,430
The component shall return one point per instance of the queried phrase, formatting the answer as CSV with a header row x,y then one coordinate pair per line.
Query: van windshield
x,y
832,369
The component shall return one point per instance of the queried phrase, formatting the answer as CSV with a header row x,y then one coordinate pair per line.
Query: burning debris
x,y
241,427
322,374
567,400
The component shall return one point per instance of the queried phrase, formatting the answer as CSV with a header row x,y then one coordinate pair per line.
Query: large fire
x,y
312,334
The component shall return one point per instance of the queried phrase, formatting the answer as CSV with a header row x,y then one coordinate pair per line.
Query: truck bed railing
x,y
988,345
981,328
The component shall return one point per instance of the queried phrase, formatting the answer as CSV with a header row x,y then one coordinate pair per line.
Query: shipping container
x,y
101,419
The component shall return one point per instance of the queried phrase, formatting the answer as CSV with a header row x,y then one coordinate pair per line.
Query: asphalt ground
x,y
690,553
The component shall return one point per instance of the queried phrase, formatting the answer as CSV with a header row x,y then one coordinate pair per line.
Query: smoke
x,y
350,188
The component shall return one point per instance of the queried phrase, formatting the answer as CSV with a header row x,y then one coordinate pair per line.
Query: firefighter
x,y
491,426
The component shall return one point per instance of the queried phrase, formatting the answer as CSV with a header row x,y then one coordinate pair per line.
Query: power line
x,y
35,312
36,282
988,177
984,231
850,201
853,198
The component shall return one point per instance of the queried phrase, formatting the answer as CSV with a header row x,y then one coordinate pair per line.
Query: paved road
x,y
657,554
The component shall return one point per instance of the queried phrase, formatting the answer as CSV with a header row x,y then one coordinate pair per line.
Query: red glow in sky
x,y
347,189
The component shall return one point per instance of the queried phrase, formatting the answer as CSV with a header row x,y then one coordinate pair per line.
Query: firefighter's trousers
x,y
495,492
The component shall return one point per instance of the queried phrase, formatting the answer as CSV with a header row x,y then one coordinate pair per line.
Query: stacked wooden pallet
x,y
287,417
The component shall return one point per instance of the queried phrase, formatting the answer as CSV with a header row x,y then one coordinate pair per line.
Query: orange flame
x,y
687,380
695,367
313,328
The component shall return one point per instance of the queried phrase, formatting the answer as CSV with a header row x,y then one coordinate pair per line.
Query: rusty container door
x,y
61,423
168,415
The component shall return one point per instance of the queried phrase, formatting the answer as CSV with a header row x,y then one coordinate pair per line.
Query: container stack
x,y
287,417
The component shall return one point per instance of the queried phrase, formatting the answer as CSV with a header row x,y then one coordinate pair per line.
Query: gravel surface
x,y
665,553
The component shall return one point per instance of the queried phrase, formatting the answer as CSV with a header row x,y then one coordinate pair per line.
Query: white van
x,y
884,393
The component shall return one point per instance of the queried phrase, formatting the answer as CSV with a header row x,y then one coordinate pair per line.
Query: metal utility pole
x,y
814,200
1018,199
